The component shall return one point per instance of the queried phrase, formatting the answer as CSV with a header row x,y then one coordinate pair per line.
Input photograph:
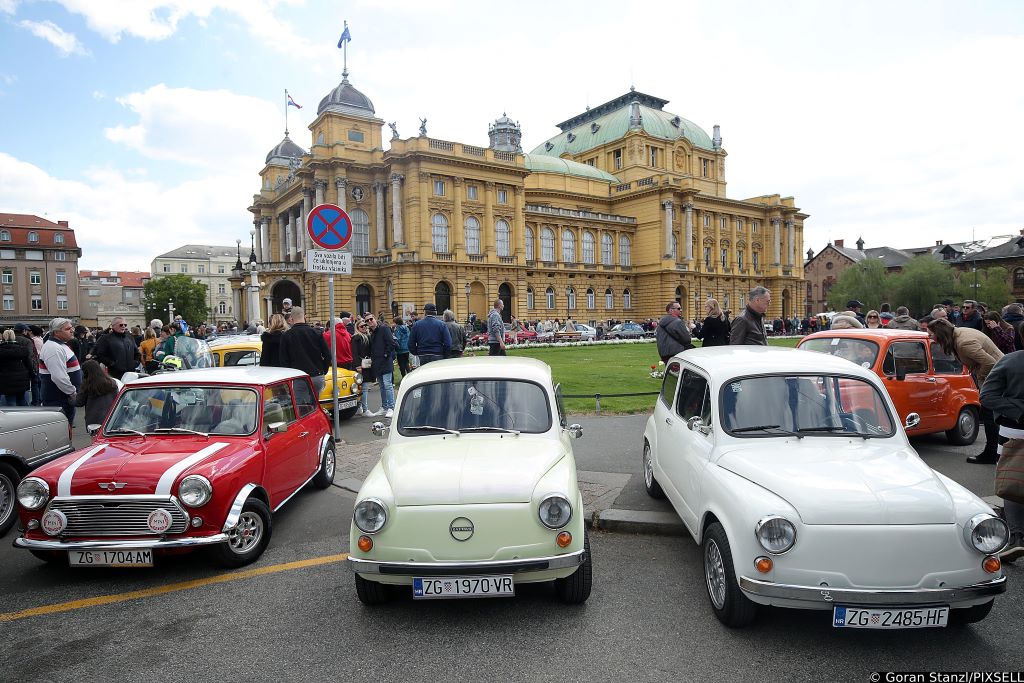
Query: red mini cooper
x,y
192,459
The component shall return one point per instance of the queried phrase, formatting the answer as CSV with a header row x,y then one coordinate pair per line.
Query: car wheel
x,y
970,615
730,605
328,463
575,588
650,483
965,431
8,497
370,592
249,538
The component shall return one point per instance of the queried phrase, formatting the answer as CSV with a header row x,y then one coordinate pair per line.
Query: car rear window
x,y
863,352
475,405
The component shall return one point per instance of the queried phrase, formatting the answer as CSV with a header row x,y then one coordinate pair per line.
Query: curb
x,y
639,522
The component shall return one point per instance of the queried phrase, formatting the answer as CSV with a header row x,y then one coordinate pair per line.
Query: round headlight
x,y
195,491
359,379
370,515
555,512
775,534
986,533
33,493
353,388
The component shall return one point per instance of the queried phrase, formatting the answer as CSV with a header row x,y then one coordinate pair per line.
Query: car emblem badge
x,y
461,529
159,521
826,596
111,485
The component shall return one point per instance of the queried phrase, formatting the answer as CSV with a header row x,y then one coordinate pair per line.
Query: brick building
x,y
38,270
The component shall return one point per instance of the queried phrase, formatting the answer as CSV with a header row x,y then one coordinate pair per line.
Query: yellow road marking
x,y
169,588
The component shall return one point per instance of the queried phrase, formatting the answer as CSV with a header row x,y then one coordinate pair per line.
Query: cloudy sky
x,y
145,122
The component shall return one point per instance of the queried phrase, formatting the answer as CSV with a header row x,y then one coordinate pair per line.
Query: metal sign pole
x,y
334,356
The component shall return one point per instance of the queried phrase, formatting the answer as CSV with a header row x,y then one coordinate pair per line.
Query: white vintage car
x,y
790,470
476,489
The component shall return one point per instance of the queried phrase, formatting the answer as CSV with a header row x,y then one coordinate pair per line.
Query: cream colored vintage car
x,y
476,491
791,470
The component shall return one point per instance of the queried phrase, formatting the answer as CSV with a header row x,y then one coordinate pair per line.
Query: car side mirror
x,y
913,419
696,424
277,427
575,430
378,428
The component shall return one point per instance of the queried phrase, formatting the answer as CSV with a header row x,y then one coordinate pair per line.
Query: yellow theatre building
x,y
620,213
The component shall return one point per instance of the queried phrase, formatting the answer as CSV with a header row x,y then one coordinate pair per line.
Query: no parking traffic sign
x,y
329,226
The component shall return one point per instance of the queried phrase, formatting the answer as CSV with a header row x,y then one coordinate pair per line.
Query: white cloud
x,y
8,6
66,43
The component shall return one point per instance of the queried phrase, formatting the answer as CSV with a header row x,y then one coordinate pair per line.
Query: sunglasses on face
x,y
872,317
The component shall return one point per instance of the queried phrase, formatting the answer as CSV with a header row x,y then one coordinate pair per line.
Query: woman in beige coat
x,y
979,354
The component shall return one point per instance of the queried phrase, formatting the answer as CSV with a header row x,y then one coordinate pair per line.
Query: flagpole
x,y
286,112
344,68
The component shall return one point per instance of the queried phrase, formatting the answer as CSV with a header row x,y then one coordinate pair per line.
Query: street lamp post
x,y
170,311
467,302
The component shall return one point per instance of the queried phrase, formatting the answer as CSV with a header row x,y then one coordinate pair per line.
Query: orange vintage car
x,y
918,375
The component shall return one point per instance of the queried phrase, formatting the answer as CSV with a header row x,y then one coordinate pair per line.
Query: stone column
x,y
397,231
254,296
282,242
487,247
458,236
426,230
378,191
667,205
290,234
307,206
517,228
790,243
700,242
258,225
733,236
341,184
716,250
776,256
320,190
689,231
236,301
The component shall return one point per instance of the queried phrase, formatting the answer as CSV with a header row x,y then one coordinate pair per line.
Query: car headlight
x,y
554,512
775,534
370,515
195,491
353,388
33,493
359,379
985,533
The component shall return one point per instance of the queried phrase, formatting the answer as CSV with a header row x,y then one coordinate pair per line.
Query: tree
x,y
189,298
923,283
993,287
865,281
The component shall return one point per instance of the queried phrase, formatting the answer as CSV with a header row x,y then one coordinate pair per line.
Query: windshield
x,y
804,404
477,405
194,353
208,410
859,351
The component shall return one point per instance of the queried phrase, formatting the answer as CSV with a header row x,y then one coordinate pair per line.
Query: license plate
x,y
462,587
892,617
110,558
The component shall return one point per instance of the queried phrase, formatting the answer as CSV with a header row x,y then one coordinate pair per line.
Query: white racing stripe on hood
x,y
64,482
163,487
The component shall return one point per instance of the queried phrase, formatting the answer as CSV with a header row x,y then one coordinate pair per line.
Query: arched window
x,y
591,302
570,295
606,249
222,307
547,245
624,251
33,236
501,235
568,247
472,235
627,299
5,236
588,247
364,299
609,299
442,296
529,244
58,238
439,234
360,233
550,294
529,298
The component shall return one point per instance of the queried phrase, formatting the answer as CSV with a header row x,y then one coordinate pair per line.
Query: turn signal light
x,y
563,539
764,564
365,544
991,564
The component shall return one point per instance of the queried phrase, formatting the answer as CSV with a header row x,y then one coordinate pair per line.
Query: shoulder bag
x,y
1010,472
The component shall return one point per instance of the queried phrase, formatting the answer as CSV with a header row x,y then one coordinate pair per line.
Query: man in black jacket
x,y
1003,394
672,335
303,348
748,326
383,351
117,349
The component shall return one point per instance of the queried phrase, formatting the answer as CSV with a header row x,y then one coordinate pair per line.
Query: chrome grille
x,y
116,515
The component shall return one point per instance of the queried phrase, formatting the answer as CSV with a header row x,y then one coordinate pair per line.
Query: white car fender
x,y
376,485
965,504
738,504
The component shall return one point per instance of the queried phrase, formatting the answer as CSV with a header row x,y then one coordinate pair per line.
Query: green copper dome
x,y
540,163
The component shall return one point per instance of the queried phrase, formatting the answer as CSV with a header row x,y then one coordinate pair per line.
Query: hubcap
x,y
714,572
648,467
6,498
247,533
966,423
329,463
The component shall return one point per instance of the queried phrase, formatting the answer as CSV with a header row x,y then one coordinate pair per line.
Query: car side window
x,y
669,384
906,357
277,404
236,358
560,405
304,399
945,363
693,395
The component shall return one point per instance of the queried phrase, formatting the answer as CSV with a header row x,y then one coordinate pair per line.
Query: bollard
x,y
597,402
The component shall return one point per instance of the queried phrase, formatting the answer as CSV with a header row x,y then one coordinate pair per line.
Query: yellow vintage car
x,y
244,351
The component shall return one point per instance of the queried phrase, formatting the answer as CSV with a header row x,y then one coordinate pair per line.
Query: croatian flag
x,y
346,37
293,103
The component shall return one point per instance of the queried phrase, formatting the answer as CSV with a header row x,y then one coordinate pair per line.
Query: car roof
x,y
235,340
725,362
867,333
473,367
232,375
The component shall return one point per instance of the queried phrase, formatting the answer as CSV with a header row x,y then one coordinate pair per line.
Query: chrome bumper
x,y
821,595
138,544
343,401
536,564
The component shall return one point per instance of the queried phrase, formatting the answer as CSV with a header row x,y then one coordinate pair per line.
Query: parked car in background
x,y
794,474
919,376
185,460
475,492
29,438
587,333
627,331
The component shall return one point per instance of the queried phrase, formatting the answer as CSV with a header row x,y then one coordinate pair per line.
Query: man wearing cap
x,y
286,309
303,348
855,306
429,338
59,372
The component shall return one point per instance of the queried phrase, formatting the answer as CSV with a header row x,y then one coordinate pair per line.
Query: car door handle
x,y
303,434
669,421
932,380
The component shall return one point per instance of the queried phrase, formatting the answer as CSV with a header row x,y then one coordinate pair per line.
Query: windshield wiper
x,y
490,429
125,430
765,428
432,428
181,429
821,429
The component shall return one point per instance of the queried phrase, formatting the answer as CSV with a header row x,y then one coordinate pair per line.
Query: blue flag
x,y
346,37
